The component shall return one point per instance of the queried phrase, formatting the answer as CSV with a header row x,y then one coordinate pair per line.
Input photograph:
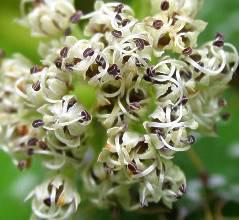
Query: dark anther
x,y
35,69
59,191
187,51
138,63
37,123
225,116
38,2
30,151
125,59
196,57
71,103
125,22
222,102
42,145
134,105
69,66
133,168
191,139
58,63
167,185
36,86
142,147
47,202
140,43
75,18
150,72
86,116
113,70
64,52
67,31
76,60
89,52
184,100
117,34
50,188
182,188
219,42
164,5
157,24
22,164
164,40
164,149
118,17
118,77
100,61
118,9
32,142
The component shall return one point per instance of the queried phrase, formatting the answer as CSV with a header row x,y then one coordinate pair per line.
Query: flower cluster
x,y
154,87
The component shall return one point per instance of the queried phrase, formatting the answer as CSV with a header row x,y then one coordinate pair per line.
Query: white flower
x,y
55,199
48,17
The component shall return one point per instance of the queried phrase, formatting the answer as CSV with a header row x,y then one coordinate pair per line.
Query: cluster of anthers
x,y
154,87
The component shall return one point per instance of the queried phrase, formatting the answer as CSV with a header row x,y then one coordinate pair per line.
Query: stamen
x,y
117,34
158,24
219,42
164,5
75,18
58,63
89,52
37,123
187,51
64,52
36,86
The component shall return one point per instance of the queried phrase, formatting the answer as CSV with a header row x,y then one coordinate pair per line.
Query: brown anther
x,y
182,188
76,60
36,86
113,70
64,52
184,100
158,24
68,31
75,18
42,145
58,63
22,130
89,52
86,116
133,168
225,116
37,123
35,69
222,103
117,34
100,61
119,8
187,51
69,67
191,139
219,42
125,22
47,202
164,5
71,103
30,151
32,142
134,105
139,43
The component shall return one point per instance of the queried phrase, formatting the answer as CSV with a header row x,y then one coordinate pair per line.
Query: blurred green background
x,y
222,16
